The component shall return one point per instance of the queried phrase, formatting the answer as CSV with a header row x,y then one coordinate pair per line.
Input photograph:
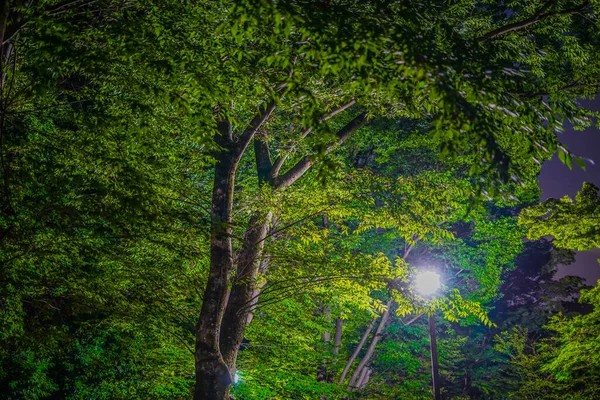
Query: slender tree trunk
x,y
256,292
337,339
361,378
467,385
365,381
326,338
359,347
371,349
212,374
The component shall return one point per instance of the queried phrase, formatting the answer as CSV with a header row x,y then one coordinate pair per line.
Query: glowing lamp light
x,y
427,282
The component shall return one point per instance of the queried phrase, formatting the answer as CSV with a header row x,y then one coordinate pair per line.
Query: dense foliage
x,y
233,198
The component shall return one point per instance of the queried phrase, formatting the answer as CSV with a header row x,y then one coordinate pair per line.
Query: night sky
x,y
556,180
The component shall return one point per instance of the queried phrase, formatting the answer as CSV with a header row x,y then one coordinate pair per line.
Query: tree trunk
x,y
212,374
361,378
244,291
337,339
243,297
256,292
371,349
225,313
364,383
213,377
359,347
326,338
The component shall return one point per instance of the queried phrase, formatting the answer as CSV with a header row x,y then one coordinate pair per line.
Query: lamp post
x,y
435,375
427,283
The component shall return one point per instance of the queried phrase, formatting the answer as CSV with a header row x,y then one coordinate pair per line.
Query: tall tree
x,y
474,112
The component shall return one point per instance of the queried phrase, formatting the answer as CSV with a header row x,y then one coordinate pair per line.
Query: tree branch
x,y
306,162
281,160
263,114
537,17
332,114
413,319
262,154
278,164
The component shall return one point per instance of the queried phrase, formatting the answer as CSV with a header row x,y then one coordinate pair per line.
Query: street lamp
x,y
427,283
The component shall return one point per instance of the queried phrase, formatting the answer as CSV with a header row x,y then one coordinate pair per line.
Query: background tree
x,y
565,355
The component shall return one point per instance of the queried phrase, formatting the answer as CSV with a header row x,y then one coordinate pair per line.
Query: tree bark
x,y
363,362
256,292
243,297
220,328
365,381
361,378
337,341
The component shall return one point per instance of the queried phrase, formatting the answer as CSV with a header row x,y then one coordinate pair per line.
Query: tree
x,y
383,220
568,355
101,223
497,361
574,225
476,112
571,355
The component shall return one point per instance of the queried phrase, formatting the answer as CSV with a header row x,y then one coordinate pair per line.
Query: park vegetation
x,y
232,198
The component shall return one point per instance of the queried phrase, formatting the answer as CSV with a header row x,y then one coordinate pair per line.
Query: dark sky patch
x,y
556,180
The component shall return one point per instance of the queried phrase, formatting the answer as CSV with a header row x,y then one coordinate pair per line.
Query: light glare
x,y
427,282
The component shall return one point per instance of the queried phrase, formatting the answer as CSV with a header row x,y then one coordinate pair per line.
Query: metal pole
x,y
435,376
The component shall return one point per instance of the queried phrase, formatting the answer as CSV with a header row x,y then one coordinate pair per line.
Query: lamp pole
x,y
427,282
435,375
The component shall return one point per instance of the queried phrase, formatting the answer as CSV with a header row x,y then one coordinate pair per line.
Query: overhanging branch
x,y
537,17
